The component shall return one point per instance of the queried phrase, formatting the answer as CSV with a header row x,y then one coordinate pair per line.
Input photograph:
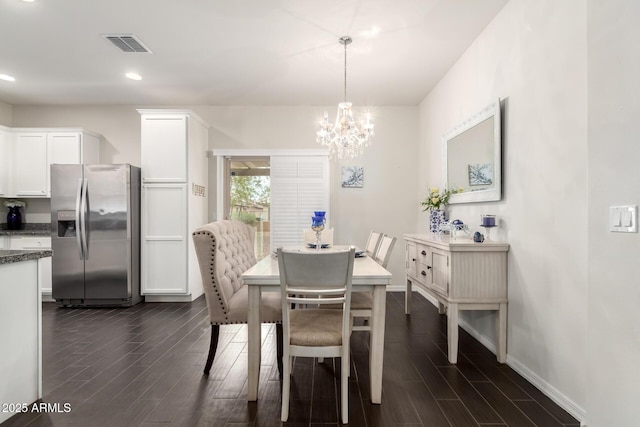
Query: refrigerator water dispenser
x,y
66,223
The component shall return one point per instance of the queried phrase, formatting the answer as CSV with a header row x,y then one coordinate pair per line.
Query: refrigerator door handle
x,y
83,219
79,222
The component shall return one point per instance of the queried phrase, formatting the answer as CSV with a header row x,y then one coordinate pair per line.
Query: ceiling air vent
x,y
127,43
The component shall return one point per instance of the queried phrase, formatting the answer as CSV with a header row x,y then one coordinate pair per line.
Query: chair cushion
x,y
361,300
270,308
315,327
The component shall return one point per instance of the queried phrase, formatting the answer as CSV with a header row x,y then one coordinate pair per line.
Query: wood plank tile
x,y
142,366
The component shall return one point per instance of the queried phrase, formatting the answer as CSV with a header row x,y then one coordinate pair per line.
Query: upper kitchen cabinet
x,y
73,147
5,155
165,145
34,150
31,161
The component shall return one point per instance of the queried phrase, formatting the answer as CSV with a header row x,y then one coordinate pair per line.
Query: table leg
x,y
452,332
501,333
253,342
407,298
376,345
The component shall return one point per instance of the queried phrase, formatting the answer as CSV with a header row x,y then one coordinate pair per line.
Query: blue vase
x,y
436,217
14,218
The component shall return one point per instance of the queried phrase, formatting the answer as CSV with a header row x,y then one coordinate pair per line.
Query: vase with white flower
x,y
435,202
14,217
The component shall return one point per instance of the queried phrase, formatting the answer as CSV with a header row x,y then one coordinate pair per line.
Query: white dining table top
x,y
365,271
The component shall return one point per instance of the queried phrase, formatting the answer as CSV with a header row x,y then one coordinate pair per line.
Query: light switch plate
x,y
623,219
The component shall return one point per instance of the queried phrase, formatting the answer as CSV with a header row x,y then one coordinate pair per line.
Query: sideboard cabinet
x,y
460,275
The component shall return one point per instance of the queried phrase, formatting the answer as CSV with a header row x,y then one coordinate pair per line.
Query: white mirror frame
x,y
495,192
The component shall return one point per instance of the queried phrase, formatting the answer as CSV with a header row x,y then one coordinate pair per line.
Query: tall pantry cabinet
x,y
174,202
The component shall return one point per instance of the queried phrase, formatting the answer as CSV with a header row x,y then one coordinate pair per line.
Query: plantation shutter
x,y
299,186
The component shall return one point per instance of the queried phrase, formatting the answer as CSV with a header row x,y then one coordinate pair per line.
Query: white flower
x,y
14,203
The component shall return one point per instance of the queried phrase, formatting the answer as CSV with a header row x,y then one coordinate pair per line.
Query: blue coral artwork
x,y
352,176
480,174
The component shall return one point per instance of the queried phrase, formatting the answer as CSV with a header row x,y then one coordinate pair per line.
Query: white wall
x,y
6,114
533,56
387,202
613,377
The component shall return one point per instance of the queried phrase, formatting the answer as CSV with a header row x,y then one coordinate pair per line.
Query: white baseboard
x,y
547,389
168,298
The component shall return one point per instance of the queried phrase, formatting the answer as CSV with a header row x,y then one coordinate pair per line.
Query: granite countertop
x,y
30,229
9,256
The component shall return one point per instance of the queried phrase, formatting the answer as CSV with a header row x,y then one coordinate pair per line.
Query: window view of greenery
x,y
250,201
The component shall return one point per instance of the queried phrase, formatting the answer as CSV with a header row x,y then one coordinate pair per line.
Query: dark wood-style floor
x,y
142,366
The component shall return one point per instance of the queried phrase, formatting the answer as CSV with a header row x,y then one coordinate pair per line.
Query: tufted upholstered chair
x,y
225,250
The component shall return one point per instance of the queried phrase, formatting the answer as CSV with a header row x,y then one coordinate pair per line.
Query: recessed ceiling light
x,y
133,76
28,1
7,78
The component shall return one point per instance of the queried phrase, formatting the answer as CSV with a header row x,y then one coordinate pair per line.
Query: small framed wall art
x,y
352,176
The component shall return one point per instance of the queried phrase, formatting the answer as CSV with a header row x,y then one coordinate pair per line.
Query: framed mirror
x,y
472,158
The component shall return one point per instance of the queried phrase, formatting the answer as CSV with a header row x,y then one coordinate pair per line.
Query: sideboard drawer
x,y
423,273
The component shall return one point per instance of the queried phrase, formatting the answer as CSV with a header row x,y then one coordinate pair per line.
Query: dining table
x,y
368,276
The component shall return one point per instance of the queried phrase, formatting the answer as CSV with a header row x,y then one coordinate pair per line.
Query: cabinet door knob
x,y
423,252
424,273
428,267
413,259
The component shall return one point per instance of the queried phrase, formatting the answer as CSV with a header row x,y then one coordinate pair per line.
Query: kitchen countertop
x,y
30,229
9,256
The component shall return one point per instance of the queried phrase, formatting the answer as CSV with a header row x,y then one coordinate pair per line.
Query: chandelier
x,y
345,139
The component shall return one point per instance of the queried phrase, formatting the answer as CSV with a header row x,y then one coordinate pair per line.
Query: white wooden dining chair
x,y
316,278
361,302
372,243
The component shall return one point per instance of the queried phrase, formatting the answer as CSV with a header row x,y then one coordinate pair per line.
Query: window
x,y
275,191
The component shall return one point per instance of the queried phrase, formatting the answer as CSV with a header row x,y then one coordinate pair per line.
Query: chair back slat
x,y
383,254
373,242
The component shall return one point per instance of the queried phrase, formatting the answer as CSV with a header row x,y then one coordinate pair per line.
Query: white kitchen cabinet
x,y
73,147
44,264
164,147
36,149
5,160
30,175
174,202
461,275
165,242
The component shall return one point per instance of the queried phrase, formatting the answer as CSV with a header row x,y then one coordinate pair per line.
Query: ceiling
x,y
233,52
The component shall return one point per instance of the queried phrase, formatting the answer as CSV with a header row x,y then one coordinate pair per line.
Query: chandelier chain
x,y
345,72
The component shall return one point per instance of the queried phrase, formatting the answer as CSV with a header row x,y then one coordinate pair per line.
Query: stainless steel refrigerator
x,y
95,234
